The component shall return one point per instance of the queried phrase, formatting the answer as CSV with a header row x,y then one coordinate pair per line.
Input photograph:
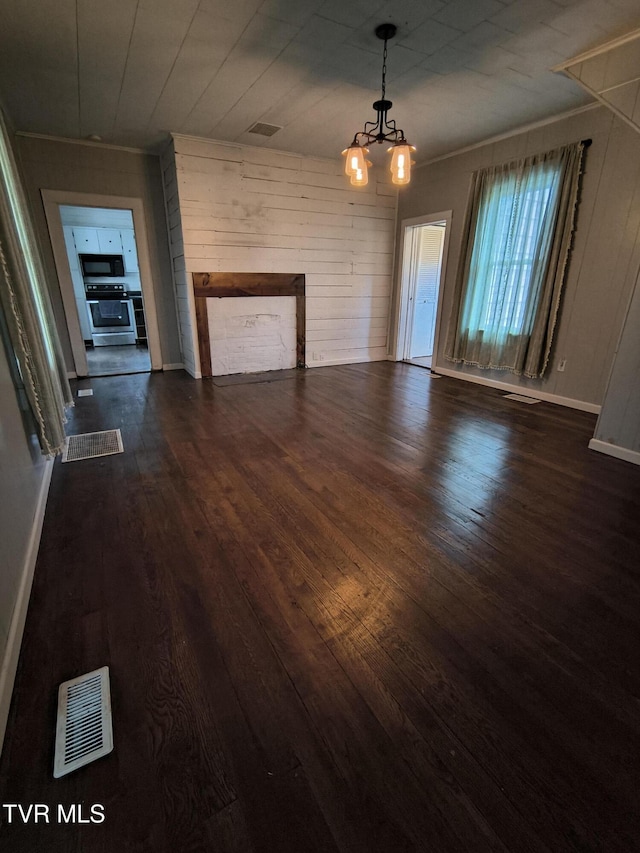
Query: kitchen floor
x,y
111,361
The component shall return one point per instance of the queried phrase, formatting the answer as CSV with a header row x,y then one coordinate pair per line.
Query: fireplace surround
x,y
207,285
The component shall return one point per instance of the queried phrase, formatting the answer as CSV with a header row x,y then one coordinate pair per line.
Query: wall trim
x,y
615,450
16,628
599,96
569,402
178,365
71,374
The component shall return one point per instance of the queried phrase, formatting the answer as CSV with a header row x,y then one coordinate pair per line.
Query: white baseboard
x,y
569,402
333,362
16,628
177,366
615,450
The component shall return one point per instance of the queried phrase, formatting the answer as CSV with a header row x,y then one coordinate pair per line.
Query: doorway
x,y
423,257
102,260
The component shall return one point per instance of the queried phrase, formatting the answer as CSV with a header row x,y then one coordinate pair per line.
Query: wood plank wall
x,y
185,306
236,208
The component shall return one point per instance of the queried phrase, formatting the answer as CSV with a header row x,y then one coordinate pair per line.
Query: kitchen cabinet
x,y
101,241
109,241
129,250
97,241
86,241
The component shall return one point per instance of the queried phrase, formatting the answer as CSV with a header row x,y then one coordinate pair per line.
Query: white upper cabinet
x,y
86,240
109,241
129,250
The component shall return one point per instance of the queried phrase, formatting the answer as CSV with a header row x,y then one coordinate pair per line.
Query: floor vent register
x,y
520,399
83,730
90,445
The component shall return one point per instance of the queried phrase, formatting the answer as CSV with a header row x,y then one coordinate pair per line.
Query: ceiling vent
x,y
263,129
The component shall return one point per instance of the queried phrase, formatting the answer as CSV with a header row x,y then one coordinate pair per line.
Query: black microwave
x,y
102,265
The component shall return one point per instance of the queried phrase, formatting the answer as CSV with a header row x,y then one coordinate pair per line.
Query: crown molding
x,y
87,142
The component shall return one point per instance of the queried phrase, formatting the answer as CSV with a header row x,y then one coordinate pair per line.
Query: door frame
x,y
405,303
52,199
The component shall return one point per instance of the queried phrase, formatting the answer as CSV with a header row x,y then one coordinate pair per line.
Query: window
x,y
519,227
506,268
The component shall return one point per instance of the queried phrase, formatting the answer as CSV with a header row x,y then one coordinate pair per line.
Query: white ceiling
x,y
132,70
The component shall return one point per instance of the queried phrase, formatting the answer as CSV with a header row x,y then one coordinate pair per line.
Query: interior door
x,y
427,280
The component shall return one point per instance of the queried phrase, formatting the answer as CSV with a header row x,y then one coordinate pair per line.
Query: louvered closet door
x,y
429,258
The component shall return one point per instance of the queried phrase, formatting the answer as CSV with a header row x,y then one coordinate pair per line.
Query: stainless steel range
x,y
110,314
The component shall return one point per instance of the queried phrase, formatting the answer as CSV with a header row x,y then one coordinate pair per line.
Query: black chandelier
x,y
381,130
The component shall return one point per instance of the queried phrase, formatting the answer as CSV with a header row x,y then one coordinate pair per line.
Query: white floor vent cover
x,y
520,399
85,392
83,729
92,444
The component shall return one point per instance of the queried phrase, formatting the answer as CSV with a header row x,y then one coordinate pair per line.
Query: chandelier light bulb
x,y
401,163
360,178
354,159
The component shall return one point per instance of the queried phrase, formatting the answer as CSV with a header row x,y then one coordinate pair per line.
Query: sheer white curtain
x,y
518,231
27,308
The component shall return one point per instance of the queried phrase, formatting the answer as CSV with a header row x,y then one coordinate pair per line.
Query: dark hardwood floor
x,y
358,610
